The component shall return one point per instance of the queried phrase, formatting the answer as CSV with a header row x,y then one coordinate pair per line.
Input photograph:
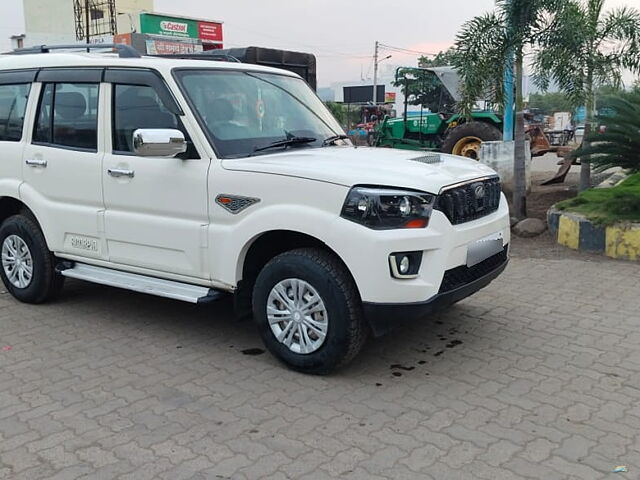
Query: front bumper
x,y
458,284
444,247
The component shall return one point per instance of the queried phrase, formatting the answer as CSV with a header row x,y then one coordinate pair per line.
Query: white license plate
x,y
484,248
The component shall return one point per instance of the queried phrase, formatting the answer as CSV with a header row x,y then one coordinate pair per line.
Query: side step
x,y
140,283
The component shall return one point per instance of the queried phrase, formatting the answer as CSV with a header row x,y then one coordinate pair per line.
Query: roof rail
x,y
221,57
124,51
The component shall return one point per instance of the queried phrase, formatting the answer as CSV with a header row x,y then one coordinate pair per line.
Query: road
x,y
534,377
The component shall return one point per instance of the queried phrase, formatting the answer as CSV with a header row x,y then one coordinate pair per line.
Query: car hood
x,y
350,166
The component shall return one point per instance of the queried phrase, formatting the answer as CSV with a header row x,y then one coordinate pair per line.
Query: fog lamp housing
x,y
405,265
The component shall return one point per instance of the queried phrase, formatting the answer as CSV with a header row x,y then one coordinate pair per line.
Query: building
x,y
159,34
36,22
11,25
39,22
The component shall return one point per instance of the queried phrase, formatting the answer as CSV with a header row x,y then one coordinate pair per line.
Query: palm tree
x,y
484,47
587,48
619,145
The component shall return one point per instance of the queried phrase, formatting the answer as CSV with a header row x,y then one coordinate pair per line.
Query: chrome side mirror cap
x,y
158,142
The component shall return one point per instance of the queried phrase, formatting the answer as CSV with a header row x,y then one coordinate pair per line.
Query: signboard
x,y
124,38
362,94
390,97
153,24
156,46
102,39
210,31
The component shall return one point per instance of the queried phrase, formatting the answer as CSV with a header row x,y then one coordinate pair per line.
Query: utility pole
x,y
375,75
509,98
87,18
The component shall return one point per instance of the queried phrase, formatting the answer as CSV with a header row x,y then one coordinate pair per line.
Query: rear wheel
x,y
27,270
465,139
308,311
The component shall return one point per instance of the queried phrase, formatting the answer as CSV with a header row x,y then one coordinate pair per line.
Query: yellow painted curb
x,y
623,242
569,232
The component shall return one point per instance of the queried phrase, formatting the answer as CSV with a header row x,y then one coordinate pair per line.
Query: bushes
x,y
619,145
606,206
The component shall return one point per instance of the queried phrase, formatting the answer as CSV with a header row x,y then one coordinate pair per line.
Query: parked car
x,y
193,179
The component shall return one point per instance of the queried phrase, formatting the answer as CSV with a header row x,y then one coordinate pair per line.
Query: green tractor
x,y
436,125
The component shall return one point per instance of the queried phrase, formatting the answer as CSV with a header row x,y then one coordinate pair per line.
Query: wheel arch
x,y
261,248
12,206
266,245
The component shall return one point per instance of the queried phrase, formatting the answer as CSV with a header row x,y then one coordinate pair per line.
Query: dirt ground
x,y
539,200
542,197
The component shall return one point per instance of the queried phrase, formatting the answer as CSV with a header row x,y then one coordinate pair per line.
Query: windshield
x,y
244,112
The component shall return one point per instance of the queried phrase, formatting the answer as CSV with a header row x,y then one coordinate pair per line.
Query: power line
x,y
405,50
322,49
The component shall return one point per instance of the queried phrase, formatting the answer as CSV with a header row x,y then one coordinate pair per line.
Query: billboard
x,y
363,94
177,27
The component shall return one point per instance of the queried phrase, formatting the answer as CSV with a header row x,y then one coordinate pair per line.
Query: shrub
x,y
606,206
619,145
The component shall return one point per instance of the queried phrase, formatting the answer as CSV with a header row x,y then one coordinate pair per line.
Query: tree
x,y
344,115
619,145
443,58
583,48
484,46
550,102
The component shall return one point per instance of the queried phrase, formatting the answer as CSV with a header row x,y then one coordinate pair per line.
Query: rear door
x,y
156,208
14,98
61,162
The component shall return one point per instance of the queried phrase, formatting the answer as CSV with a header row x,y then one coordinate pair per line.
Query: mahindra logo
x,y
174,27
479,191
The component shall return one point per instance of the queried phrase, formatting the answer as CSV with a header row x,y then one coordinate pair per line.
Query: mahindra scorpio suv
x,y
192,179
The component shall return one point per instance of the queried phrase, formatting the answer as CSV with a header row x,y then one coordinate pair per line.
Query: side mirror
x,y
158,142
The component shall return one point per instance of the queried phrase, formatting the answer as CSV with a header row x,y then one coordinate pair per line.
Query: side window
x,y
68,115
13,104
136,106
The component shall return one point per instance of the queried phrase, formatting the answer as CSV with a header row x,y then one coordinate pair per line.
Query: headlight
x,y
386,208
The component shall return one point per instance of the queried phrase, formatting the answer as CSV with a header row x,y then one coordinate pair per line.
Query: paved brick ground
x,y
530,378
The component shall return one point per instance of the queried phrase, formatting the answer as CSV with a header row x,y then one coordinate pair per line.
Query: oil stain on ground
x,y
397,366
253,351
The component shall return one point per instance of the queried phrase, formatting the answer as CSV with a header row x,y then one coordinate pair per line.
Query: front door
x,y
62,165
156,214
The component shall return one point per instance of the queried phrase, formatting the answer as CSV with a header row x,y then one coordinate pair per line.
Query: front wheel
x,y
28,270
308,311
465,140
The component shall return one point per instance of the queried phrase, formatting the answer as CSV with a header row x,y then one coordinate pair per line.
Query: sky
x,y
341,33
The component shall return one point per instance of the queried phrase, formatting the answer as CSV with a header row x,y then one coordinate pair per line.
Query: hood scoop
x,y
429,157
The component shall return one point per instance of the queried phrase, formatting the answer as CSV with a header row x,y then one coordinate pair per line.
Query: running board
x,y
140,283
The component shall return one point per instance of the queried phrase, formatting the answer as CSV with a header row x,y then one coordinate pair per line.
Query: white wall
x,y
11,22
49,22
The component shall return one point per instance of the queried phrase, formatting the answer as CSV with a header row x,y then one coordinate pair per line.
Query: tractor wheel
x,y
465,139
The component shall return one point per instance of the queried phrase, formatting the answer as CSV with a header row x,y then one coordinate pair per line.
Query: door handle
x,y
32,162
118,172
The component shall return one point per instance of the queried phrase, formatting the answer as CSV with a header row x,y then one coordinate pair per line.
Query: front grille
x,y
461,276
470,201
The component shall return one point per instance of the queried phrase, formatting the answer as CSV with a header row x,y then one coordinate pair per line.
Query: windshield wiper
x,y
286,142
333,139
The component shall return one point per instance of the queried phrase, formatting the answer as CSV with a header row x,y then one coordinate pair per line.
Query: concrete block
x,y
499,156
623,241
569,232
592,237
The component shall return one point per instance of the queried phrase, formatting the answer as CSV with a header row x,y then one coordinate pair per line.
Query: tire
x,y
44,284
342,317
455,143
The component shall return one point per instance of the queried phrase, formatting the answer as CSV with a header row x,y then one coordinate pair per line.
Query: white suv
x,y
190,179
